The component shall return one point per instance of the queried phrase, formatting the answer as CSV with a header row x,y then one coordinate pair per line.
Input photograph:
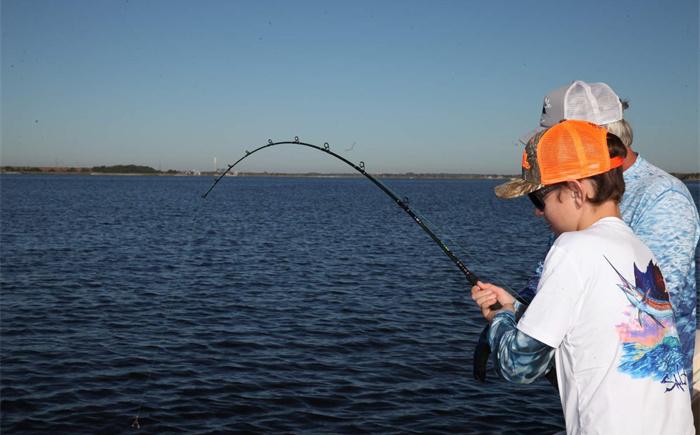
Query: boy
x,y
657,206
601,309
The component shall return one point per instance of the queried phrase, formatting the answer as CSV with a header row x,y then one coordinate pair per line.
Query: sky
x,y
404,86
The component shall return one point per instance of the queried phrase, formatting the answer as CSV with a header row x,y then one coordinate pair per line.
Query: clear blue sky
x,y
422,86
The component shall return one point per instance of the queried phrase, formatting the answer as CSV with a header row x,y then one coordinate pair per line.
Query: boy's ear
x,y
577,190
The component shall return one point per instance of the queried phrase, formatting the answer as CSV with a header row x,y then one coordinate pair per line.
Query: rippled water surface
x,y
276,305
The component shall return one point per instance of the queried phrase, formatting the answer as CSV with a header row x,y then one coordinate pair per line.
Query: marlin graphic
x,y
648,293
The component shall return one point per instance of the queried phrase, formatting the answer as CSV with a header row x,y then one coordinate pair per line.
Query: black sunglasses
x,y
537,197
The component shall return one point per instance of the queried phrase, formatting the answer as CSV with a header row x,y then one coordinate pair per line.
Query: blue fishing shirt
x,y
661,212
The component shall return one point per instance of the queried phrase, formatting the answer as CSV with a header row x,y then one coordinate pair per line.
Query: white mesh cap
x,y
592,102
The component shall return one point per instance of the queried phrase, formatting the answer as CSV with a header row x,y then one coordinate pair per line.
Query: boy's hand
x,y
485,295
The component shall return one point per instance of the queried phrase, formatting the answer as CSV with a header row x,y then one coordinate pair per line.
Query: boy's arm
x,y
517,357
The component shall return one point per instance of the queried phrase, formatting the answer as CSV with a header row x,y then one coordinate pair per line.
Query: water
x,y
276,305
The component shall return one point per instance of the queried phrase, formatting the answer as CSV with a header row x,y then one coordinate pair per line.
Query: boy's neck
x,y
592,213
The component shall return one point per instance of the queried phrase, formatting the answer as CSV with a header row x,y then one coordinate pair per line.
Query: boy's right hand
x,y
485,295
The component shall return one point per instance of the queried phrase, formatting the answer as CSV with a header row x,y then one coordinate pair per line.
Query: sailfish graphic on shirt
x,y
648,294
650,344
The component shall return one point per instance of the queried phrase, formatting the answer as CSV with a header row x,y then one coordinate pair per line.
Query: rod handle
x,y
473,279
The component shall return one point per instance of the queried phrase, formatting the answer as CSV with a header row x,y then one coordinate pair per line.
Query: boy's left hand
x,y
485,295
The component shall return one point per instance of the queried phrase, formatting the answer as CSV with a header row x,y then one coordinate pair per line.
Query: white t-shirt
x,y
601,302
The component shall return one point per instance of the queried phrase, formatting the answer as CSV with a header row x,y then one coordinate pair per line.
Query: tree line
x,y
114,169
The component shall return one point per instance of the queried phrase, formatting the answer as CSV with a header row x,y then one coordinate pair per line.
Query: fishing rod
x,y
483,350
403,203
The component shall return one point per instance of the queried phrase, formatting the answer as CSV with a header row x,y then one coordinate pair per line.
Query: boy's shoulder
x,y
610,234
586,250
606,230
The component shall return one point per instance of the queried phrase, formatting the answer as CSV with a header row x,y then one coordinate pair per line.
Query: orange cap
x,y
570,150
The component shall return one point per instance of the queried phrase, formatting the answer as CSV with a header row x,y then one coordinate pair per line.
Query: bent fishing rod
x,y
403,203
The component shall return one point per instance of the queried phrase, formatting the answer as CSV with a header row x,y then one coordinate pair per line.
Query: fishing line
x,y
136,423
401,202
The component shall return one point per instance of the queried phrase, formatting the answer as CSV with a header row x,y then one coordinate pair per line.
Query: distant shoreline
x,y
133,170
211,174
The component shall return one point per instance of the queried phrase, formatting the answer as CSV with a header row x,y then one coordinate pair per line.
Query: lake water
x,y
306,305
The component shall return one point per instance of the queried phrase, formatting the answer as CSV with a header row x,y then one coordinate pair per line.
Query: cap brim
x,y
515,188
525,138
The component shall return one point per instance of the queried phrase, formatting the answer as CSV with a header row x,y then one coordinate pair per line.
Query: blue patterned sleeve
x,y
517,356
520,308
528,293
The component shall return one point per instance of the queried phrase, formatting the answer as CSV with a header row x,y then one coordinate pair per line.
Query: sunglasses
x,y
537,197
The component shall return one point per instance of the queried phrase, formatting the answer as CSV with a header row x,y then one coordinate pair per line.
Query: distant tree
x,y
124,169
687,176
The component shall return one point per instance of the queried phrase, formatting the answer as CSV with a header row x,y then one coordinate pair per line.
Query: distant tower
x,y
214,166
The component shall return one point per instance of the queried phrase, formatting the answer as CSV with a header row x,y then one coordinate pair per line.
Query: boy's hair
x,y
610,185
